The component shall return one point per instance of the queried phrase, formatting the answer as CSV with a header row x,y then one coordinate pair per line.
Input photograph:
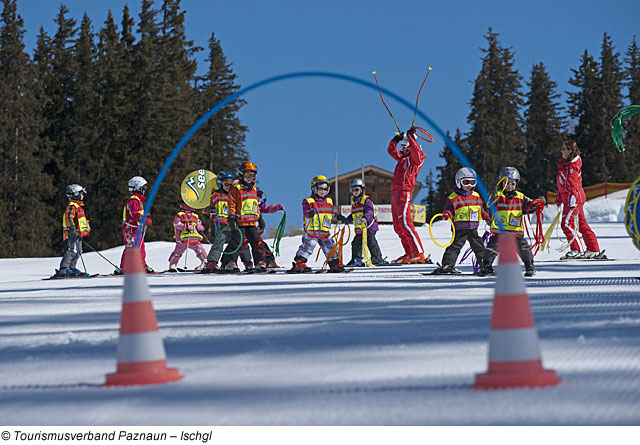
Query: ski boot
x,y
272,265
588,255
148,269
248,267
211,267
400,259
201,266
230,267
261,267
414,259
382,262
64,273
355,262
446,269
78,273
300,265
529,270
572,255
486,270
335,266
173,268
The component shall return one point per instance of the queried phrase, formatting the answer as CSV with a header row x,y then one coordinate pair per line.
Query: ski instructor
x,y
410,159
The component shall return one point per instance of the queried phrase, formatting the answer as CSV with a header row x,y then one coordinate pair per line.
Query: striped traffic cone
x,y
514,353
141,357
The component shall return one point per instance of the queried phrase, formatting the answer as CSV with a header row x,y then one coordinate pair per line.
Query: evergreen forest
x,y
524,125
96,104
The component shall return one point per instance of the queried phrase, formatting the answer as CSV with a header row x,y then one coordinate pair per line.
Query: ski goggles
x,y
471,182
322,189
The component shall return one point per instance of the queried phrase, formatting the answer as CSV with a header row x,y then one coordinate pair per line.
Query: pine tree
x,y
595,103
222,137
59,90
543,133
26,225
632,126
82,162
496,139
447,171
114,110
433,207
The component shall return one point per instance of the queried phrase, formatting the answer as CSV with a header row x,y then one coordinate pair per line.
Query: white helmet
x,y
465,173
357,182
74,190
136,183
510,173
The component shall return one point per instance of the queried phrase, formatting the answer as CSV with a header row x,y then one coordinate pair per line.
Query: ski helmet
x,y
510,173
465,173
356,183
74,190
137,183
221,176
318,180
249,167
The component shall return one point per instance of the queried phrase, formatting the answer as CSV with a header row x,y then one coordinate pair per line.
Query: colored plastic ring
x,y
453,228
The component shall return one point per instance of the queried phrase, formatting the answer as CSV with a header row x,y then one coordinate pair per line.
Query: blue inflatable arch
x,y
282,77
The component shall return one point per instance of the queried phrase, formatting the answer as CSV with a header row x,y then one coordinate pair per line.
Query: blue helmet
x,y
221,176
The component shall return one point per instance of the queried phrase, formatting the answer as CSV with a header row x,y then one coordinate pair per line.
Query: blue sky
x,y
296,127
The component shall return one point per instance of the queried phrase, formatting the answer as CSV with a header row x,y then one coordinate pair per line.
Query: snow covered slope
x,y
377,346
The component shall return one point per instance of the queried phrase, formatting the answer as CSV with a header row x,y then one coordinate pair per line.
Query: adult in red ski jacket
x,y
571,195
410,160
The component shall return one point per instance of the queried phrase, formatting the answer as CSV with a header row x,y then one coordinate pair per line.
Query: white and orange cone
x,y
140,354
514,353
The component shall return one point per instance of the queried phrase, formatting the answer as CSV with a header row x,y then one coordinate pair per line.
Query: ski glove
x,y
279,207
446,215
232,222
200,228
148,221
398,137
261,223
343,219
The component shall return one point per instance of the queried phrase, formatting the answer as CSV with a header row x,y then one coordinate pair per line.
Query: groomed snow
x,y
377,346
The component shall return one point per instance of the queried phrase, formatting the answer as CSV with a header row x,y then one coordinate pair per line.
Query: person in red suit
x,y
409,161
572,197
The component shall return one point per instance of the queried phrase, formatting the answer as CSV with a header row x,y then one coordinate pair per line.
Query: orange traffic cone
x,y
141,357
514,353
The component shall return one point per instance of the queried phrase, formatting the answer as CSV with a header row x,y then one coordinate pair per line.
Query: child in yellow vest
x,y
464,207
75,226
187,227
317,211
511,206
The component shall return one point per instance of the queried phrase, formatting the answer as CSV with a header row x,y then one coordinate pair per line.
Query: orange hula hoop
x,y
425,132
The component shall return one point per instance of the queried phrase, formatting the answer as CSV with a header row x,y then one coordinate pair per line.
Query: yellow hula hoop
x,y
505,179
453,228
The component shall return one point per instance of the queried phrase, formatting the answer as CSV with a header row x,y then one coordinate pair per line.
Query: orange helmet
x,y
249,167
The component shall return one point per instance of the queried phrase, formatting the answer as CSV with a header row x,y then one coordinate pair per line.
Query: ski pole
x,y
418,97
384,103
91,247
84,266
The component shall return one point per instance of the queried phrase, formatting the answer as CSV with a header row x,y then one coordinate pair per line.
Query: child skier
x,y
464,206
75,226
131,216
510,206
187,228
244,213
317,211
364,217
